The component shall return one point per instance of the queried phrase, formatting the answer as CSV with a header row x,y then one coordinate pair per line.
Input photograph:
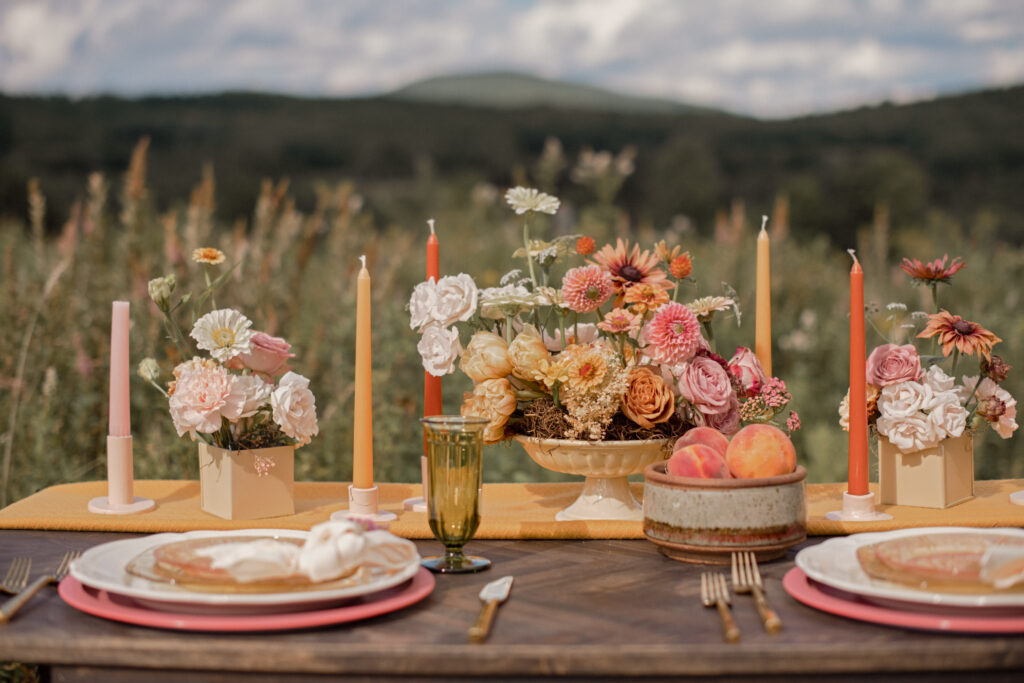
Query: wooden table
x,y
579,610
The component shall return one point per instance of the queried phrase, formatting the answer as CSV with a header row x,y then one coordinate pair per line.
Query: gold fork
x,y
12,606
746,578
17,575
715,593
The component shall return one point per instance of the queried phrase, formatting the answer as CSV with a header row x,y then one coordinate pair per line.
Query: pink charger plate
x,y
811,593
100,603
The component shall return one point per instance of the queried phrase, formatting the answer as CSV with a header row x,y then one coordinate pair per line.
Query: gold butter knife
x,y
492,595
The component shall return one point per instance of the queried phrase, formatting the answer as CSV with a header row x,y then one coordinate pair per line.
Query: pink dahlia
x,y
673,335
585,288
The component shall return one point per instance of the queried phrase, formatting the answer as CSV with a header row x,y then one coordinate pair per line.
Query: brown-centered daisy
x,y
629,266
954,332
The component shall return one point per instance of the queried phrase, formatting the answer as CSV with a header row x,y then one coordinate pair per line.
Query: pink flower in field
x,y
746,366
673,335
585,288
268,357
891,364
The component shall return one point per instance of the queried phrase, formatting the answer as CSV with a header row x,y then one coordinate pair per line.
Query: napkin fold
x,y
1003,566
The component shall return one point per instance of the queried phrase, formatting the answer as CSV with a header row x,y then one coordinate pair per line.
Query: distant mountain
x,y
511,90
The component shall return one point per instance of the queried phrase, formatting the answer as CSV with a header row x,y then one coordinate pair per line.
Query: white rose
x,y
909,434
249,393
948,419
844,413
941,397
422,305
456,299
439,348
294,408
938,380
497,302
903,400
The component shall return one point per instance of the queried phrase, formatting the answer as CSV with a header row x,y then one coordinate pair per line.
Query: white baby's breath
x,y
523,199
224,333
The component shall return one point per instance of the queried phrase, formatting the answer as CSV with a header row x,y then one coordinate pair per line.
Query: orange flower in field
x,y
954,332
631,266
645,297
208,255
585,246
936,271
681,266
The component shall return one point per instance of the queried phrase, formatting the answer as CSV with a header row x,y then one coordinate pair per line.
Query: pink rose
x,y
706,384
728,422
891,364
746,366
268,357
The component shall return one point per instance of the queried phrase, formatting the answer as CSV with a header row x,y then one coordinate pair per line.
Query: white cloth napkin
x,y
1003,565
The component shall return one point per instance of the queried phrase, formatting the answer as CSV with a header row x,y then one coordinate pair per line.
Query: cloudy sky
x,y
765,57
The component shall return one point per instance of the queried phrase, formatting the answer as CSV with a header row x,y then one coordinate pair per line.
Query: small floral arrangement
x,y
606,353
244,396
912,401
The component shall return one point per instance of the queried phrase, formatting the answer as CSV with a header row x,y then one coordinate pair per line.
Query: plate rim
x,y
893,591
138,545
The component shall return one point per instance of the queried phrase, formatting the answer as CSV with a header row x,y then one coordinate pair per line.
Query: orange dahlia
x,y
643,297
585,246
930,273
628,266
954,332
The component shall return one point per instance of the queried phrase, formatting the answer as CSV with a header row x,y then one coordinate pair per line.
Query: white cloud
x,y
770,58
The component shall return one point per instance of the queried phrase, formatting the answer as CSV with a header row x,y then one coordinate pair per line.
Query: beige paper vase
x,y
232,488
936,477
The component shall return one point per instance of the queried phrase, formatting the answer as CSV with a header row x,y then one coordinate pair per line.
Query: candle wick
x,y
430,222
764,222
853,255
363,259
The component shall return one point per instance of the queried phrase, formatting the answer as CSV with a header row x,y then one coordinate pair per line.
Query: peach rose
x,y
486,357
647,399
891,364
268,356
746,366
495,400
526,352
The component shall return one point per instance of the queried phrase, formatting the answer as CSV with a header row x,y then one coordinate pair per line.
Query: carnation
x,y
202,396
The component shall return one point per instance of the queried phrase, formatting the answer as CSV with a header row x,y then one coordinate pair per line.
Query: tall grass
x,y
295,277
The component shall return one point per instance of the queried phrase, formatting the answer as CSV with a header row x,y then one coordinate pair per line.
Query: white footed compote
x,y
605,466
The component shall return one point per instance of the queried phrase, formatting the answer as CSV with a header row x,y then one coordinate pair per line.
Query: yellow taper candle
x,y
362,425
763,338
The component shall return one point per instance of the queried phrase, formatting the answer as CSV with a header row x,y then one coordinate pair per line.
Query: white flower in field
x,y
439,348
524,199
456,299
160,289
422,305
902,400
224,333
909,434
250,393
294,408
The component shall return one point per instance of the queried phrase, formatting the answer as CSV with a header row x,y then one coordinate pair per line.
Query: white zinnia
x,y
909,434
524,199
439,348
903,399
224,333
294,408
422,305
456,299
250,392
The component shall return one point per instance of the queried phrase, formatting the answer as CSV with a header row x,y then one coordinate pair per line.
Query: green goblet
x,y
454,472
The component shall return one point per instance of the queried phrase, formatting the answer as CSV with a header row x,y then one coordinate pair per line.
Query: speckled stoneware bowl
x,y
705,520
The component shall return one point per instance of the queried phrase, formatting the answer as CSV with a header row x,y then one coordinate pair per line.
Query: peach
x,y
760,450
708,436
698,460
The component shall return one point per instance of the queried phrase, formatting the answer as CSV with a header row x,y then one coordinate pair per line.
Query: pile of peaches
x,y
757,450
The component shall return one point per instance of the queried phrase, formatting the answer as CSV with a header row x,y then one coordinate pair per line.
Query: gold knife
x,y
492,595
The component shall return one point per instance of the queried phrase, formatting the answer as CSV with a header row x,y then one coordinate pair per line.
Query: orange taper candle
x,y
432,404
858,444
362,425
763,323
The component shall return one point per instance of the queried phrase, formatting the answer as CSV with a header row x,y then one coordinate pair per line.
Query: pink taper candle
x,y
120,416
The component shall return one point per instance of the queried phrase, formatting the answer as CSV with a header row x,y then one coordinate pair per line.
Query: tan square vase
x,y
931,478
232,488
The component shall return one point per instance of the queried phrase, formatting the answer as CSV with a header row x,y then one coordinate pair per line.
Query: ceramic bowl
x,y
705,520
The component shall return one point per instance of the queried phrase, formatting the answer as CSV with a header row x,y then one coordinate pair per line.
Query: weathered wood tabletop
x,y
579,610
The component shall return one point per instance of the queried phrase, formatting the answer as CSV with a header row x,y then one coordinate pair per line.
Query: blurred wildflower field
x,y
295,275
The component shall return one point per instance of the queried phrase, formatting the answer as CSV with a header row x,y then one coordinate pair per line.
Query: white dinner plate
x,y
834,563
103,567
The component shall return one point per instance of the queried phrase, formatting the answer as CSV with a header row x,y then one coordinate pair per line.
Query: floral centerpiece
x,y
243,403
919,397
604,354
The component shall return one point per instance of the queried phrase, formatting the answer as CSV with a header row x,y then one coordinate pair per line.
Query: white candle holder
x,y
419,503
120,498
1017,497
363,506
858,509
